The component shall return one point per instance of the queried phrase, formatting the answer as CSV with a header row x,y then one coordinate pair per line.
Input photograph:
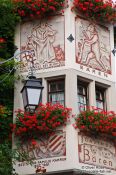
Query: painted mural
x,y
93,45
43,44
97,151
48,146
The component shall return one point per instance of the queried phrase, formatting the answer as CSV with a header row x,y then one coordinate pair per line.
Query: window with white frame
x,y
82,89
100,98
56,91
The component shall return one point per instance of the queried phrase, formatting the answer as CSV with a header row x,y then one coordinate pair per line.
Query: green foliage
x,y
5,159
5,121
5,141
8,156
7,83
8,21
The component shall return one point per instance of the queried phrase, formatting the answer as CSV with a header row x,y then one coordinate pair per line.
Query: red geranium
x,y
37,8
99,10
96,121
45,119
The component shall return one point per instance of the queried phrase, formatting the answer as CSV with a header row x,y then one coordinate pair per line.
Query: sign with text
x,y
46,147
96,151
50,152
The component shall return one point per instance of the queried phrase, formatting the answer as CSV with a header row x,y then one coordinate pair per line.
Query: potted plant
x,y
45,120
99,10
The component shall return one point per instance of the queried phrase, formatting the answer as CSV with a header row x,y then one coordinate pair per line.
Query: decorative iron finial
x,y
114,51
70,38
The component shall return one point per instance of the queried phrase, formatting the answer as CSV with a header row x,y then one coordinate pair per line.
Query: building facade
x,y
73,58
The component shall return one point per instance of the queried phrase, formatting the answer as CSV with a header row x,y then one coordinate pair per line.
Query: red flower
x,y
33,142
46,118
114,133
105,9
2,40
100,121
37,7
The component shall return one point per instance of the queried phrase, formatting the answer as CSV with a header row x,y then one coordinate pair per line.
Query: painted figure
x,y
91,46
41,41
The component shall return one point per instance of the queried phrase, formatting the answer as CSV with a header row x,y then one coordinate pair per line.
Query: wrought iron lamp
x,y
31,93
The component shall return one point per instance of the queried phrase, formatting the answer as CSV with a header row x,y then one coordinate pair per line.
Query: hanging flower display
x,y
45,119
99,10
37,8
96,121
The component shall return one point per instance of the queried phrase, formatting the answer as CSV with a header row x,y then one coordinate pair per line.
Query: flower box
x,y
37,8
45,120
99,10
97,122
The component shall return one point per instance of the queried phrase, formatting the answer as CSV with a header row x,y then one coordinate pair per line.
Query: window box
x,y
45,120
37,8
96,122
99,10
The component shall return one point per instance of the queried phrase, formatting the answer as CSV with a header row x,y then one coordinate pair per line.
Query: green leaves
x,y
8,21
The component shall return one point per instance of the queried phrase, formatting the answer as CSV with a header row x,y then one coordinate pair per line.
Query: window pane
x,y
82,107
60,85
56,98
99,104
82,96
82,90
56,92
82,99
99,95
52,87
100,99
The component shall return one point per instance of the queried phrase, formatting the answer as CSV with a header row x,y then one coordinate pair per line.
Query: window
x,y
82,95
100,98
56,91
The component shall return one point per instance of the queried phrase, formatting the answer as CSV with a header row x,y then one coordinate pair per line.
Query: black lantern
x,y
31,93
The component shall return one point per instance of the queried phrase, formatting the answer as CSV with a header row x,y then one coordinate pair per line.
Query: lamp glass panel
x,y
33,96
24,95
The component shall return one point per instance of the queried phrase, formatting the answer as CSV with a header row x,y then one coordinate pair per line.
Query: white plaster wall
x,y
71,70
